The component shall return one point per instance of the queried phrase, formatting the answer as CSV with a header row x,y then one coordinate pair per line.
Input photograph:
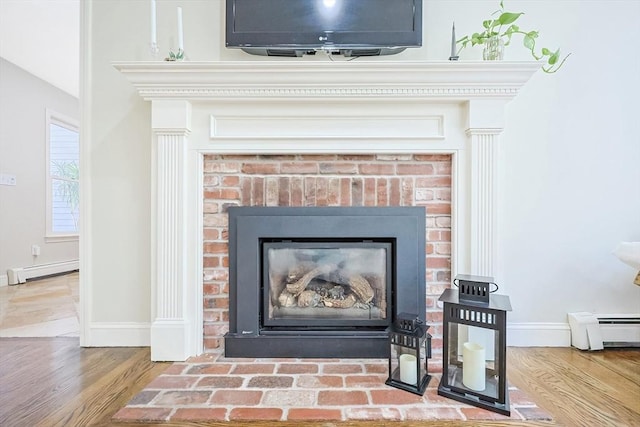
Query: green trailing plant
x,y
179,56
503,27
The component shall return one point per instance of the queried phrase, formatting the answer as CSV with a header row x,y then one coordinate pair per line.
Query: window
x,y
63,177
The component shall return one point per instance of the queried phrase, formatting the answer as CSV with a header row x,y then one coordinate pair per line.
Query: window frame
x,y
55,118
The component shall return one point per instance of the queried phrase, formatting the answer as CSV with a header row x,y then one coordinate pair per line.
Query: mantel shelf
x,y
457,80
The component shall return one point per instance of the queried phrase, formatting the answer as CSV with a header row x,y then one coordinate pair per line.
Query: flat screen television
x,y
298,27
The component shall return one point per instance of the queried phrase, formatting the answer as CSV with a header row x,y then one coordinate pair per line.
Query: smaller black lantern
x,y
410,348
475,344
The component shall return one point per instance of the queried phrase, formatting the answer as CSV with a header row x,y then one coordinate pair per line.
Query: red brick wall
x,y
323,180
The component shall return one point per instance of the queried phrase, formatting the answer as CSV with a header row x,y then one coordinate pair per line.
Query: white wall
x,y
570,153
24,99
572,167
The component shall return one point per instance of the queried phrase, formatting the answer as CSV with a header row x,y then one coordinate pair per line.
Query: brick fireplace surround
x,y
323,180
311,133
314,133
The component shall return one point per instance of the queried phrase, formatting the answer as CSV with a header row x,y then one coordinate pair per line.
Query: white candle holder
x,y
474,344
409,349
154,49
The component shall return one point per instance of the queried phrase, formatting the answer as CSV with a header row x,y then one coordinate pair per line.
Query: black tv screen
x,y
260,26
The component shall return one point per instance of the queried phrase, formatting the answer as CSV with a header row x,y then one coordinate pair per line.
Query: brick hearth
x,y
213,388
323,180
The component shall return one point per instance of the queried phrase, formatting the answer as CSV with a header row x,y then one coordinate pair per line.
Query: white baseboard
x,y
538,335
133,334
4,280
118,334
22,274
170,341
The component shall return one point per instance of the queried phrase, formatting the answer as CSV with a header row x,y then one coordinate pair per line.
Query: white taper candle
x,y
453,41
180,35
154,39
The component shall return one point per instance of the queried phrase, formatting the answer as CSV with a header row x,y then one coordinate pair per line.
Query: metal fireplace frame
x,y
248,226
324,323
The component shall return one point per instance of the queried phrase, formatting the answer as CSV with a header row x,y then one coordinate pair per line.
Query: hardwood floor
x,y
580,388
45,307
53,382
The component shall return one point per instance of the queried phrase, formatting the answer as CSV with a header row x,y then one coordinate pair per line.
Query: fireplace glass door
x,y
323,285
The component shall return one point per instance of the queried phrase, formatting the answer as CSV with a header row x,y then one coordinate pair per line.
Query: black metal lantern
x,y
475,344
410,348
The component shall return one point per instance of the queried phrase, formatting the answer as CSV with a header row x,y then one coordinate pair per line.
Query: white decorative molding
x,y
235,80
484,199
170,328
118,334
453,93
285,107
351,127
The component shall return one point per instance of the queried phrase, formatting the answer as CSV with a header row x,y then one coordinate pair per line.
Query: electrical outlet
x,y
6,179
35,250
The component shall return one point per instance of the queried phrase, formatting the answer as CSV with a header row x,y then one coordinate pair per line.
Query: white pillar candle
x,y
473,366
180,35
408,369
154,39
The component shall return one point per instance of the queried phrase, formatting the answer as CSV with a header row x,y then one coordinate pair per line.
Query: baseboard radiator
x,y
597,331
620,330
21,275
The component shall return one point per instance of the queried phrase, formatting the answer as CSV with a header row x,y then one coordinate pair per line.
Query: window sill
x,y
59,238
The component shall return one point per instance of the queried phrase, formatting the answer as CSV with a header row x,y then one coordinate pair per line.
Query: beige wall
x,y
24,99
570,154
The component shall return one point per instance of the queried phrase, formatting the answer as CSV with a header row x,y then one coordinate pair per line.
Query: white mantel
x,y
301,106
464,80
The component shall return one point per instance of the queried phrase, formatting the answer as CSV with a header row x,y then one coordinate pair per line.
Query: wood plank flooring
x,y
44,307
581,388
53,382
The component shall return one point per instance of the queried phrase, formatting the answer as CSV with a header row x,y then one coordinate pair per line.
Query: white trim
x,y
170,340
86,265
53,117
538,334
194,243
352,128
362,80
175,317
118,334
60,238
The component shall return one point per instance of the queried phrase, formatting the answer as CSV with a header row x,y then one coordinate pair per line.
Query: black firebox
x,y
322,281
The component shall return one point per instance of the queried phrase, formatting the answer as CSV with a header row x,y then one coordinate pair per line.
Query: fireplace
x,y
387,108
322,281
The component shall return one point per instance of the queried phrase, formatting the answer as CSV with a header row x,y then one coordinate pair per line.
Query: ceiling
x,y
43,38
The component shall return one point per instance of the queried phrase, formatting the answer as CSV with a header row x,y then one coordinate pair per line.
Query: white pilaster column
x,y
171,327
485,123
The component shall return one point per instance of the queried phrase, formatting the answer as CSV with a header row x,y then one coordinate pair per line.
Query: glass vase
x,y
493,49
